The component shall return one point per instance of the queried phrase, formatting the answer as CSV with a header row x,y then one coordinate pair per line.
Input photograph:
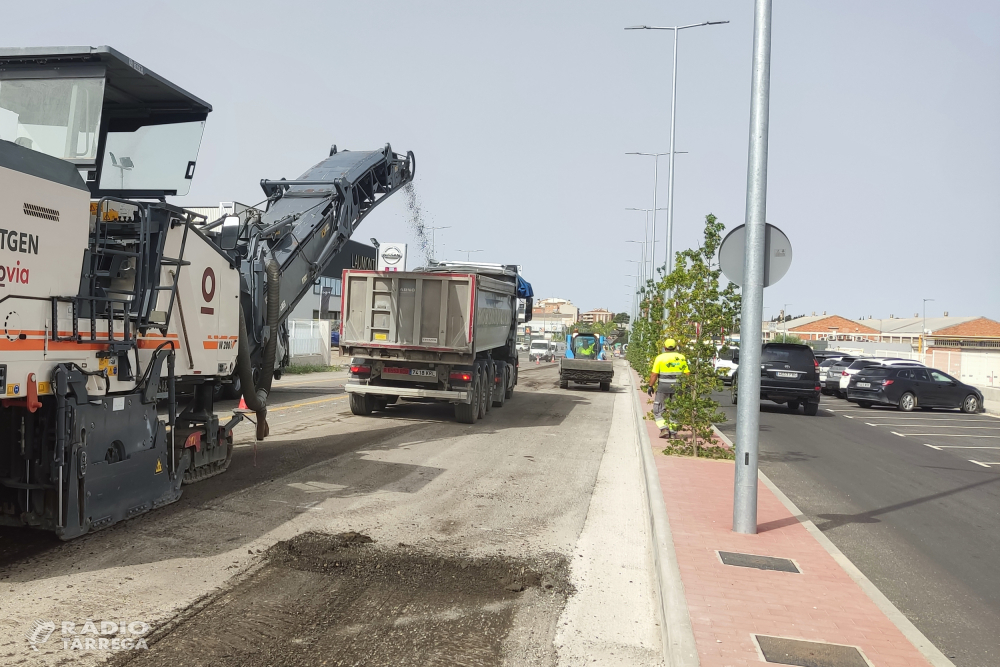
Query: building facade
x,y
597,315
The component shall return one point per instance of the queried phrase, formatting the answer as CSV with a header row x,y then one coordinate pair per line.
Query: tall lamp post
x,y
673,124
432,237
784,322
468,254
652,241
923,327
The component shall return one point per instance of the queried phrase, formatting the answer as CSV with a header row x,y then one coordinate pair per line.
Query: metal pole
x,y
748,408
652,249
668,260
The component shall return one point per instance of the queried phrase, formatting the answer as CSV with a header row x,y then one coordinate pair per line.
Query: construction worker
x,y
586,347
667,369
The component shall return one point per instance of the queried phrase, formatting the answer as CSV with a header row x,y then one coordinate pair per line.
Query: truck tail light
x,y
361,370
461,376
886,383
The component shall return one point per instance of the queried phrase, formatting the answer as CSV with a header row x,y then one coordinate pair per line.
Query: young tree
x,y
621,318
698,313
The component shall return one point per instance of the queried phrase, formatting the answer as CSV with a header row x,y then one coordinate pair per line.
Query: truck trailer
x,y
446,332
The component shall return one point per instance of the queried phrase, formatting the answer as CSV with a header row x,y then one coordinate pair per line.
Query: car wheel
x,y
970,404
233,390
907,402
811,409
864,404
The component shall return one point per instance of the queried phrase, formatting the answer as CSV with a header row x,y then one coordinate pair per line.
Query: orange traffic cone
x,y
243,403
538,361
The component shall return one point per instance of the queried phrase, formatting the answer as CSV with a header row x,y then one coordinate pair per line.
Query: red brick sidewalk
x,y
728,605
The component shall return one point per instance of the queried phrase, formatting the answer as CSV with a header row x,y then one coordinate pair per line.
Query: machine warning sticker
x,y
14,389
381,336
159,467
429,340
118,403
107,365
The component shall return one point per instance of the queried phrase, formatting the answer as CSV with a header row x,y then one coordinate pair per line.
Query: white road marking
x,y
987,428
961,446
899,434
932,446
952,435
849,416
985,465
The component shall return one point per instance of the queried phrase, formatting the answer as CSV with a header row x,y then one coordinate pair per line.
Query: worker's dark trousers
x,y
664,392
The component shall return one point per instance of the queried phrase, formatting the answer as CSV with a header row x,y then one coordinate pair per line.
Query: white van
x,y
540,349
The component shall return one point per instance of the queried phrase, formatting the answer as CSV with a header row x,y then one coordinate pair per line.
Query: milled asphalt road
x,y
517,486
922,523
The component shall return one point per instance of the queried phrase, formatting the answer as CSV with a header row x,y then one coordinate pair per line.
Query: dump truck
x,y
446,332
586,362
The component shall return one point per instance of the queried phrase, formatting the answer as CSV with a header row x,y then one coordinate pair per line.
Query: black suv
x,y
787,375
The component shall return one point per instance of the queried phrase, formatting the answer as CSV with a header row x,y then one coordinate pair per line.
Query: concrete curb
x,y
679,648
903,624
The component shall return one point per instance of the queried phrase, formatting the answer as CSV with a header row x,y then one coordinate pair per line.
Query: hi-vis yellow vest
x,y
669,365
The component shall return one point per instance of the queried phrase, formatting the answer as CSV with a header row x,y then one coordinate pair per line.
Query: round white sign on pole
x,y
777,254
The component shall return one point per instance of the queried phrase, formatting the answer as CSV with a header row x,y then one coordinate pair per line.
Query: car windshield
x,y
799,356
543,345
875,372
828,363
861,363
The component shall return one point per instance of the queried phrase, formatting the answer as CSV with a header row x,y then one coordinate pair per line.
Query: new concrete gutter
x,y
679,649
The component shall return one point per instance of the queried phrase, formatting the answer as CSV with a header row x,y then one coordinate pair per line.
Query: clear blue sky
x,y
885,144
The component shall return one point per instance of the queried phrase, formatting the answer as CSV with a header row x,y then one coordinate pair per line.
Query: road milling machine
x,y
120,312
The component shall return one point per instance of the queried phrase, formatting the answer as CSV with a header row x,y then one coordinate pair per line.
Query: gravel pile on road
x,y
322,599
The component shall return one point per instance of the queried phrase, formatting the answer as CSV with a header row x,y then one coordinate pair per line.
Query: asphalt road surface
x,y
913,499
405,538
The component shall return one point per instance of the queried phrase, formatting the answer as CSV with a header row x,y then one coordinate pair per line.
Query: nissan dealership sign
x,y
392,257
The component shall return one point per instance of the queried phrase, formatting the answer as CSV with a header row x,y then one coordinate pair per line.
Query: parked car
x,y
912,387
868,362
335,337
824,366
726,363
831,381
787,375
822,355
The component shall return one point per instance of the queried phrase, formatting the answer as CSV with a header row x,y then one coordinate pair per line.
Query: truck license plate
x,y
865,384
784,374
423,373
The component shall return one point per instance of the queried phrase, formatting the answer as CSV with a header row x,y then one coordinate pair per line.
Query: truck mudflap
x,y
409,392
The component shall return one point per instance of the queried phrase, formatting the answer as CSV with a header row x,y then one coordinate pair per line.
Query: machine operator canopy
x,y
129,131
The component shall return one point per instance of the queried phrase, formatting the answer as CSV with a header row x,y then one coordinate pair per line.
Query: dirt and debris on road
x,y
321,599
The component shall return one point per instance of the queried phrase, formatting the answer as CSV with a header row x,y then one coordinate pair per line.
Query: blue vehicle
x,y
586,362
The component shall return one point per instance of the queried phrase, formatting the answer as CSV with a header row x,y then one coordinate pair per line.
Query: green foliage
x,y
302,369
698,311
621,318
787,338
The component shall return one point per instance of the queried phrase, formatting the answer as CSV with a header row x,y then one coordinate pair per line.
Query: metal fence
x,y
978,368
309,341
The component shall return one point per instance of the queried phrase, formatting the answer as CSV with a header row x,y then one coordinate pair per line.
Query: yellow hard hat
x,y
669,344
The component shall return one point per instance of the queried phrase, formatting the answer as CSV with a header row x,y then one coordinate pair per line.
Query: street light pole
x,y
648,244
784,320
668,260
923,327
748,409
432,237
468,254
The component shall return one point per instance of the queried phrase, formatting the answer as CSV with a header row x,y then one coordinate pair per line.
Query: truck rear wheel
x,y
468,413
563,384
489,386
509,391
361,404
500,388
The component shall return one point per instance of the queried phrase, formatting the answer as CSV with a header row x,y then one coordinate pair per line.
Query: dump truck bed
x,y
442,316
